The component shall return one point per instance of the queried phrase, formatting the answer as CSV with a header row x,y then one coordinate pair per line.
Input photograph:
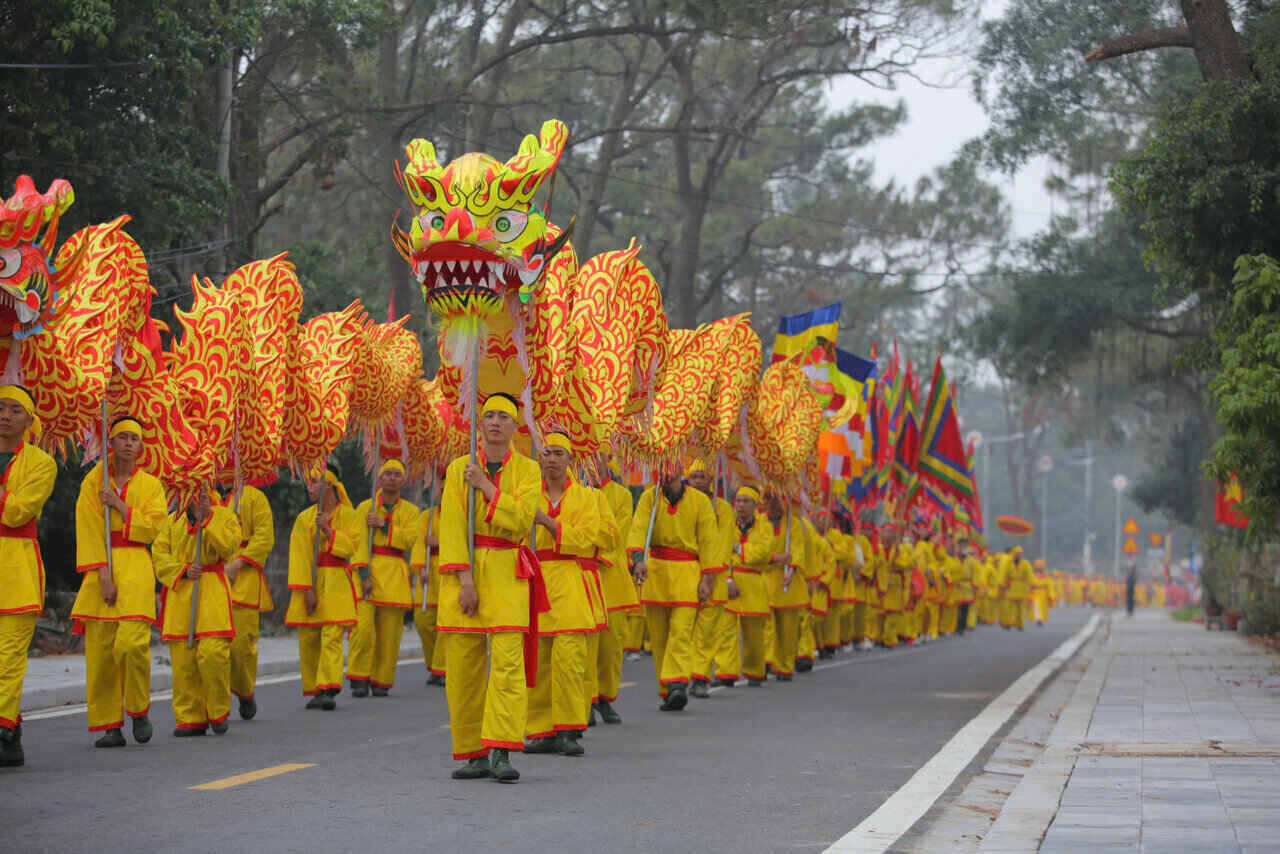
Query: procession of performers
x,y
525,626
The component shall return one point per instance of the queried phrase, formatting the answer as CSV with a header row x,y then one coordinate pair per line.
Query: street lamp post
x,y
1119,482
1045,465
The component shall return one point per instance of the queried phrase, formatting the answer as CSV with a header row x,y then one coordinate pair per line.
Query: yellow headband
x,y
390,465
497,403
749,492
23,398
558,440
696,465
126,425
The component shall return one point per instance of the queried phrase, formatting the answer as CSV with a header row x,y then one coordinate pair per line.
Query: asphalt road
x,y
785,767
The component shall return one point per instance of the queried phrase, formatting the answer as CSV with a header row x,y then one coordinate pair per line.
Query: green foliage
x,y
1247,390
1187,613
1208,179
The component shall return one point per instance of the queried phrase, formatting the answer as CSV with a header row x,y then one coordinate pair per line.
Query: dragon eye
x,y
508,225
10,262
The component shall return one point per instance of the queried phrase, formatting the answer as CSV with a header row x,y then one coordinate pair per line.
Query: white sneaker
x,y
866,644
633,656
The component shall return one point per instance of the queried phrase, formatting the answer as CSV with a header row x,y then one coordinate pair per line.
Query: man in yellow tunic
x,y
1016,589
115,611
621,600
424,563
487,604
893,581
788,595
868,619
715,630
756,549
684,544
250,595
964,583
322,594
202,673
567,525
26,480
392,528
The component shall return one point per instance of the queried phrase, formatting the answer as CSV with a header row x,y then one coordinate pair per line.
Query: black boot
x,y
182,732
316,701
327,701
378,691
726,682
142,729
475,769
435,679
677,698
541,745
248,708
804,665
110,738
607,713
699,689
591,715
567,745
219,727
11,755
359,688
501,764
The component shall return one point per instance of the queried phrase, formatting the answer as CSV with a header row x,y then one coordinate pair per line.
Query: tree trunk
x,y
1219,50
609,146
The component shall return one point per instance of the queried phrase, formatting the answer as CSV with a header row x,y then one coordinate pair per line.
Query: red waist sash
x,y
528,568
668,553
26,531
330,559
388,551
118,541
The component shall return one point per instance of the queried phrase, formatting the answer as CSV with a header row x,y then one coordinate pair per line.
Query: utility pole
x,y
1044,465
1119,482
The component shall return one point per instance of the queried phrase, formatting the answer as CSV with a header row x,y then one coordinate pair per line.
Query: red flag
x,y
1226,505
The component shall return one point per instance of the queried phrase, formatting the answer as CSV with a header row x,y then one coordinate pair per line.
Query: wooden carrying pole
x,y
106,484
195,584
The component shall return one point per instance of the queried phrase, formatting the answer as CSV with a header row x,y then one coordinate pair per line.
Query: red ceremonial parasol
x,y
1015,525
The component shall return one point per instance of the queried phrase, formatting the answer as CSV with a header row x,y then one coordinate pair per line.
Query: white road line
x,y
63,711
905,807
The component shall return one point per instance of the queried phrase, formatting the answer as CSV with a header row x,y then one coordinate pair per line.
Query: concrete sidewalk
x,y
58,680
1170,742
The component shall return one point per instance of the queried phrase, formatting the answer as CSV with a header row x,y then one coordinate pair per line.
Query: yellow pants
x,y
320,658
948,619
971,618
117,662
637,626
988,610
244,652
15,639
671,636
1011,613
805,645
932,614
715,644
753,649
859,621
424,620
201,682
488,700
829,628
556,703
375,644
609,657
786,639
875,624
847,633
770,639
591,671
891,628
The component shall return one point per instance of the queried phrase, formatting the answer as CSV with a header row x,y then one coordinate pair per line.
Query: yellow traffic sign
x,y
1156,539
1130,546
1131,527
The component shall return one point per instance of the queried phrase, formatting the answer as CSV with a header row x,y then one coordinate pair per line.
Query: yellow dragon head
x,y
30,281
475,237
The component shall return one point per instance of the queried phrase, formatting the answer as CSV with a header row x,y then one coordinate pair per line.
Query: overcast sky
x,y
939,121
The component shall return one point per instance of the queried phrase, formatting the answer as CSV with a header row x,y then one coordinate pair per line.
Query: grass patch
x,y
1187,613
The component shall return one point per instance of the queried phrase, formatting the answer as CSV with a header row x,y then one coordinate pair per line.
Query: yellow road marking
x,y
252,776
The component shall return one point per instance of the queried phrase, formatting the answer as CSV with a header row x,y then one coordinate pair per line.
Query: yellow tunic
x,y
684,544
615,574
131,565
501,526
796,595
174,550
257,539
392,546
27,483
335,590
864,585
748,565
822,564
842,586
965,577
570,590
419,559
726,538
